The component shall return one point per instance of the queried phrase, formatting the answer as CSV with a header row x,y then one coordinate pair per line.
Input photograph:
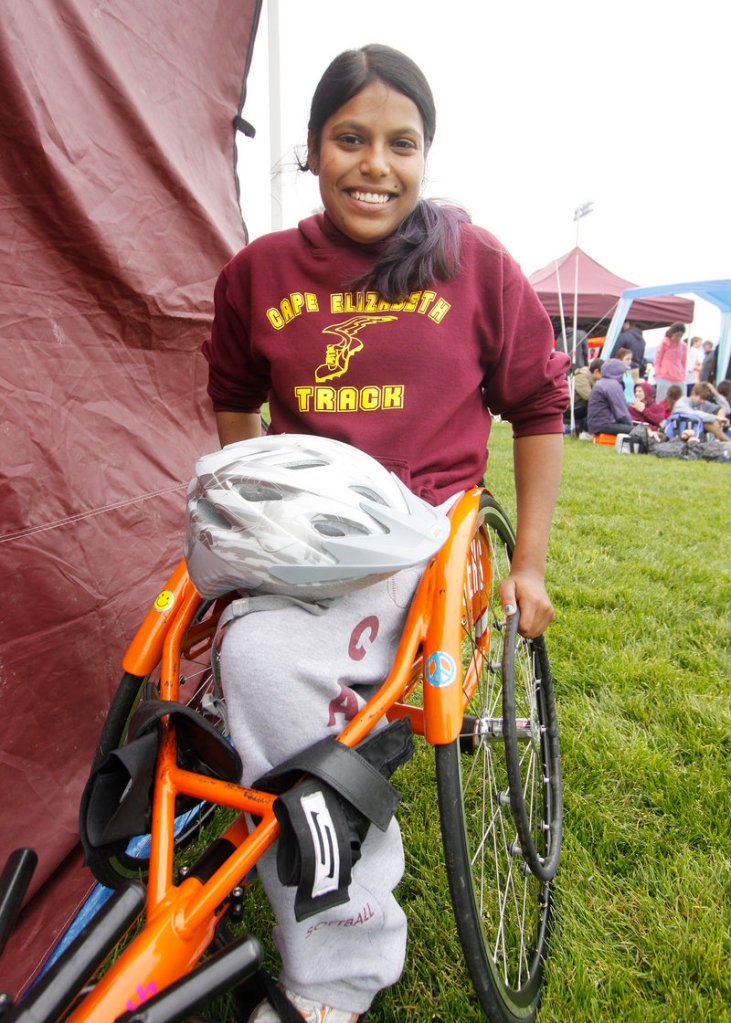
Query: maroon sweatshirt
x,y
411,383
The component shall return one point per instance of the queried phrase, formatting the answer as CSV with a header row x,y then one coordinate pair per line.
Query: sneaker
x,y
310,1011
584,435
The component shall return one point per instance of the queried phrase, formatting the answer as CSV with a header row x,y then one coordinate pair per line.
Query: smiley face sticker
x,y
164,600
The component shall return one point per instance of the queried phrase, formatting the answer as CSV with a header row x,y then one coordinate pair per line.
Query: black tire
x,y
116,863
502,908
541,852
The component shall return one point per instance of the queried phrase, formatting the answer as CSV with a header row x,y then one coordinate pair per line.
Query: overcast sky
x,y
540,108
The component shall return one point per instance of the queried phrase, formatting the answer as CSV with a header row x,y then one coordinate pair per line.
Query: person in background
x,y
671,357
700,403
694,363
583,379
673,393
608,411
707,373
578,352
625,355
631,337
722,394
644,408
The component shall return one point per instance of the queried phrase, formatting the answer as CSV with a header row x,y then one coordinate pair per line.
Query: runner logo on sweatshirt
x,y
339,353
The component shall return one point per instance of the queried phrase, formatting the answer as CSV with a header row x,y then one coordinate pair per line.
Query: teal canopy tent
x,y
718,293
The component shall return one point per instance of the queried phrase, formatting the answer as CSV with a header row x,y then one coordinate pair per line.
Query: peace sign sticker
x,y
440,669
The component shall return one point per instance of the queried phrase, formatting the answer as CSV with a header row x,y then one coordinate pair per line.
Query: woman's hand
x,y
526,590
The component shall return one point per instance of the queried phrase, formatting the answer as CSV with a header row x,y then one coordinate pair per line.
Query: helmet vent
x,y
370,495
209,515
308,463
335,525
254,490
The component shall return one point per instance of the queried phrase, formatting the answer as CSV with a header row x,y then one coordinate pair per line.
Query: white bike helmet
x,y
304,516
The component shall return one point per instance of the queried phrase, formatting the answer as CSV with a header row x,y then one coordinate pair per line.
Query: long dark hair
x,y
426,245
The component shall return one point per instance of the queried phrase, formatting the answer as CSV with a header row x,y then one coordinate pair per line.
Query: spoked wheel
x,y
499,788
116,863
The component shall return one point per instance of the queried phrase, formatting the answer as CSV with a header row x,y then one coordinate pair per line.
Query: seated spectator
x,y
608,411
583,379
644,408
698,403
674,392
722,395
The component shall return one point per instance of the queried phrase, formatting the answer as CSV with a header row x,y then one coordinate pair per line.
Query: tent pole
x,y
576,317
560,305
275,114
579,212
565,345
576,301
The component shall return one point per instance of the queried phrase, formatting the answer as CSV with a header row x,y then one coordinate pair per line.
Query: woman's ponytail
x,y
426,247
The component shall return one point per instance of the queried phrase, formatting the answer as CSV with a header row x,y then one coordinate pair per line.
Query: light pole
x,y
582,211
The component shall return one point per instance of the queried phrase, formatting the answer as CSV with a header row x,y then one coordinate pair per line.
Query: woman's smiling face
x,y
370,163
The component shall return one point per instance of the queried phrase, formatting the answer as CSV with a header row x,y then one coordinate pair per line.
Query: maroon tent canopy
x,y
598,292
120,206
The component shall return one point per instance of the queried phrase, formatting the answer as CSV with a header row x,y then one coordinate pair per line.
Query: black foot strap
x,y
325,818
116,802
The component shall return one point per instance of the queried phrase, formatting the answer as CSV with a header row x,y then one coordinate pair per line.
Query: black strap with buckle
x,y
324,817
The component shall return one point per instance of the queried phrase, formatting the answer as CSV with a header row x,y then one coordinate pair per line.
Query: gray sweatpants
x,y
290,678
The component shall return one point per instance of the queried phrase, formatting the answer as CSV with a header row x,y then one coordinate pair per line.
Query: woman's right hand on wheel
x,y
526,590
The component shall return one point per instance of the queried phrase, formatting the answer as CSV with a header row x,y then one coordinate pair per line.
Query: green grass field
x,y
640,579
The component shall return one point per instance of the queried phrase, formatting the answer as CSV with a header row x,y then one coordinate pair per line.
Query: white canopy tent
x,y
718,293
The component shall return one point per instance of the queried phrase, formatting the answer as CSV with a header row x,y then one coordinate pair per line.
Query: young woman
x,y
644,408
393,324
670,360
